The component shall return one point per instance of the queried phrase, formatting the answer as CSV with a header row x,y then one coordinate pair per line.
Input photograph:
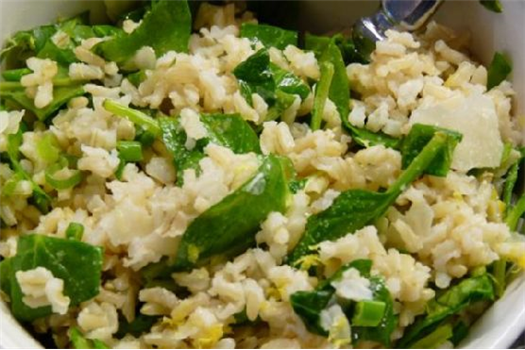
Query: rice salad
x,y
219,185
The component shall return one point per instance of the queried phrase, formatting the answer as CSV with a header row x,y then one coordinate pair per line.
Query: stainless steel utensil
x,y
407,14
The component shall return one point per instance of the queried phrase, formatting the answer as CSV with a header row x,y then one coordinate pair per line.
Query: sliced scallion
x,y
368,313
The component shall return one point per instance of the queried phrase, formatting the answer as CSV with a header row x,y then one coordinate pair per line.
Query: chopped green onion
x,y
515,214
78,340
99,344
47,149
133,115
368,313
56,181
434,339
9,187
145,137
130,151
321,94
15,74
75,231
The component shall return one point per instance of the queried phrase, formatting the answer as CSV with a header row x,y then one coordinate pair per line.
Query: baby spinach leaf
x,y
61,96
498,71
229,226
309,304
255,76
269,35
228,130
492,5
347,47
169,21
451,302
5,273
275,85
288,82
354,209
416,140
78,264
41,198
434,339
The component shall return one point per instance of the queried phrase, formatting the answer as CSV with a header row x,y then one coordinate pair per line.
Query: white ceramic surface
x,y
504,321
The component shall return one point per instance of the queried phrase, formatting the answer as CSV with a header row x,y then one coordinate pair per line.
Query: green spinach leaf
x,y
451,302
61,96
229,226
416,140
228,130
354,209
78,264
498,71
166,27
269,35
367,138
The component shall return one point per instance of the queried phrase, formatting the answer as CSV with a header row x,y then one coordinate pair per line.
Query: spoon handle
x,y
407,14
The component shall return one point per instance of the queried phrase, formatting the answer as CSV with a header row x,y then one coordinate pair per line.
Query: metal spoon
x,y
407,14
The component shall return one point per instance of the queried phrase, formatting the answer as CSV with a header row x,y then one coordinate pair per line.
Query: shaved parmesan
x,y
475,117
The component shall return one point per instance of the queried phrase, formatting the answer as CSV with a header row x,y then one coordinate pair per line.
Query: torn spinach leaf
x,y
78,264
354,209
269,35
229,226
255,77
228,130
41,198
141,324
275,85
309,305
451,302
61,96
170,21
498,71
416,140
492,5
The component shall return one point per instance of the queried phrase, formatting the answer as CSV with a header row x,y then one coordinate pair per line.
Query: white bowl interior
x,y
504,321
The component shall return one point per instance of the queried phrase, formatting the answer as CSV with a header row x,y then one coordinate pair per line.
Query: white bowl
x,y
502,323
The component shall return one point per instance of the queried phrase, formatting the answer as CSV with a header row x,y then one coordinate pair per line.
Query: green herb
x,y
130,151
41,198
80,342
354,209
78,264
75,231
434,339
510,183
269,35
498,71
229,226
133,115
61,95
368,313
170,21
288,82
451,302
321,94
228,130
416,140
492,5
